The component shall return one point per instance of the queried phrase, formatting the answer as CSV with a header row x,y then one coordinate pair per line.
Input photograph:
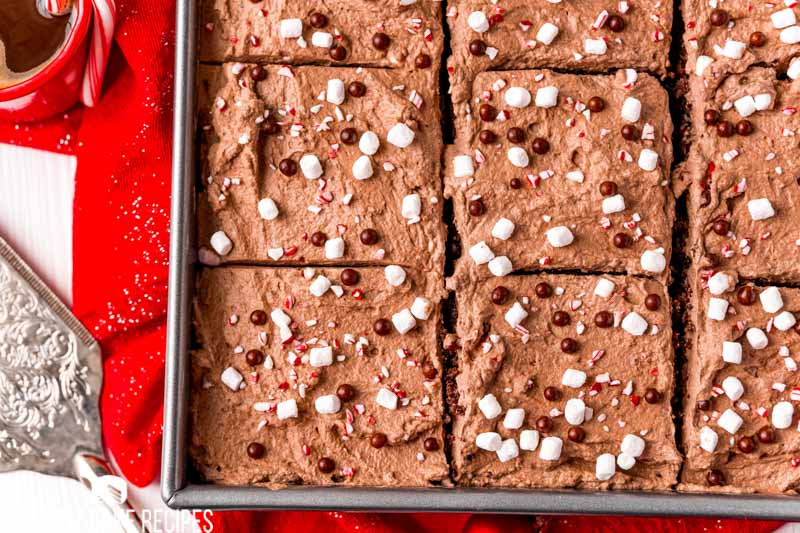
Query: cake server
x,y
50,377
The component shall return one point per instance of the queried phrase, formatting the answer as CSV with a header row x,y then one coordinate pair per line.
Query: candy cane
x,y
105,14
58,8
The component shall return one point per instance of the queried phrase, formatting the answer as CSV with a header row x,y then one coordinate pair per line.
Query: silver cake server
x,y
50,378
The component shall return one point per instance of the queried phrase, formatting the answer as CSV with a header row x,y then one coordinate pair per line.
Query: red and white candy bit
x,y
104,20
58,8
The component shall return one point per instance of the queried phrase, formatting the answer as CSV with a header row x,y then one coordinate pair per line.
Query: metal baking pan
x,y
180,493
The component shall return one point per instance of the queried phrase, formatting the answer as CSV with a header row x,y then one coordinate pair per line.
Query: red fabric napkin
x,y
120,248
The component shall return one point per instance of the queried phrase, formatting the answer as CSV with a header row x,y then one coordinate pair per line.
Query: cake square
x,y
403,34
320,165
302,376
563,381
744,170
740,431
577,167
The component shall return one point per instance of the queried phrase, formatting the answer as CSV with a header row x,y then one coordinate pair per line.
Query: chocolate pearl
x,y
746,295
746,444
258,317
348,136
552,394
569,345
516,135
428,370
544,424
515,183
318,238
422,61
561,318
487,112
719,17
715,478
430,444
621,240
651,395
326,465
576,434
382,327
608,188
381,41
540,146
258,73
543,289
349,276
378,440
766,435
603,319
345,392
287,167
487,137
256,450
318,20
596,104
338,53
724,129
368,236
500,295
711,116
652,302
356,89
271,127
254,357
615,23
477,47
703,405
757,39
476,208
721,226
744,128
629,132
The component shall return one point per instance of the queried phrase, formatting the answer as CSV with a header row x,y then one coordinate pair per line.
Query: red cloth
x,y
120,251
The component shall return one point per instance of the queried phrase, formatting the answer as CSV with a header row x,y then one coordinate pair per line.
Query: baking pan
x,y
180,493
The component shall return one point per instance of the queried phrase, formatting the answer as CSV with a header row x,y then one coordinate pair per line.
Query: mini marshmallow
x,y
550,449
421,308
395,275
771,299
335,92
652,261
503,229
489,406
782,413
717,309
708,439
404,321
529,439
221,243
634,324
575,411
334,248
625,461
783,18
508,451
745,105
267,209
287,409
757,338
412,206
547,97
291,28
613,204
369,143
732,352
573,378
648,160
733,388
518,157
763,101
702,63
631,109
576,175
321,39
606,467
279,318
232,378
386,399
481,253
784,321
489,441
559,236
730,421
500,266
310,166
478,22
321,356
632,444
400,135
319,286
719,283
547,33
794,69
604,288
518,97
760,209
595,47
515,315
514,418
733,49
790,35
328,404
463,167
362,168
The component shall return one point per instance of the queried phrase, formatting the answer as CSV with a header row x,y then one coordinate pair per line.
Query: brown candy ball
x,y
500,295
382,327
326,465
345,392
744,128
651,395
746,444
256,450
604,319
544,424
423,61
378,440
287,167
381,41
487,112
715,478
629,132
746,295
719,17
621,240
596,104
724,129
477,47
349,276
766,435
757,39
318,238
608,188
721,226
576,434
561,318
318,20
356,89
711,116
543,289
616,23
516,135
569,345
258,317
652,302
348,136
476,208
487,137
338,53
552,394
430,444
540,146
254,357
368,236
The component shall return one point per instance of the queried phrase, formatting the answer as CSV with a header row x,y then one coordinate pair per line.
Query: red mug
x,y
58,85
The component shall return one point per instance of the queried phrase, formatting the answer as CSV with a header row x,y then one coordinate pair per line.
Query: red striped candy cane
x,y
105,15
58,8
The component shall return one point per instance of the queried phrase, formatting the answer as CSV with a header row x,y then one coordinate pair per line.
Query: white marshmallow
x,y
732,352
279,318
404,321
757,338
784,321
613,204
503,229
763,101
481,253
782,413
287,409
321,39
648,160
730,421
335,92
575,411
478,22
771,299
559,236
500,266
515,315
760,209
328,404
518,157
632,444
576,175
547,96
529,439
733,388
717,308
719,283
421,308
794,69
745,105
550,449
606,467
320,356
625,461
463,167
547,33
362,168
595,47
221,243
395,275
319,286
702,63
518,97
631,109
490,407
708,439
386,399
489,441
291,28
508,451
653,261
634,324
783,18
604,288
232,378
310,166
412,206
733,49
514,418
400,135
369,143
334,248
790,35
573,378
267,209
